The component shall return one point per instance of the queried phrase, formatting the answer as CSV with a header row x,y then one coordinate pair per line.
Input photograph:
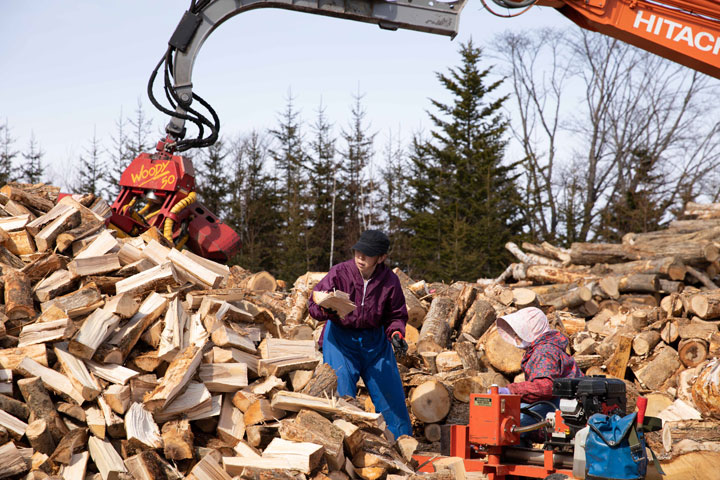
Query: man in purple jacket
x,y
359,345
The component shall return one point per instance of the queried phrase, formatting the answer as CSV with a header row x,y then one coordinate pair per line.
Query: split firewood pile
x,y
124,358
646,311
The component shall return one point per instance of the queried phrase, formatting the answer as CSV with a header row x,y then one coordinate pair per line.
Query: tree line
x,y
510,157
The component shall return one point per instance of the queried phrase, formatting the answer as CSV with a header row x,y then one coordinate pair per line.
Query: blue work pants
x,y
367,353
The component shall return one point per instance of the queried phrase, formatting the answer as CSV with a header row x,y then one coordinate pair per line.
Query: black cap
x,y
372,243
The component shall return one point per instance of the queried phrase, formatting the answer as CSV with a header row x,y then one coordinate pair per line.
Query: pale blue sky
x,y
70,66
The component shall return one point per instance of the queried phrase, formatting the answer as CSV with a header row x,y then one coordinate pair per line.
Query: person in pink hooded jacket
x,y
545,358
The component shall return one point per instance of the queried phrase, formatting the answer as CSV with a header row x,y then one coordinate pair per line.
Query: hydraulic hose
x,y
144,209
514,4
169,222
128,206
151,215
530,428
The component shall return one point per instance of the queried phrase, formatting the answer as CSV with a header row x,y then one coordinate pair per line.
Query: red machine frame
x,y
491,431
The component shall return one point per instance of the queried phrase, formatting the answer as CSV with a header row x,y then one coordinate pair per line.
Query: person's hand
x,y
501,391
399,343
330,312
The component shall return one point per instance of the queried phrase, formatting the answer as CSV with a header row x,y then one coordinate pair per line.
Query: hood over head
x,y
528,323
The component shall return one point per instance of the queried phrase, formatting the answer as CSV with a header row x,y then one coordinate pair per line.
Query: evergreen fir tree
x,y
323,188
393,194
465,205
7,155
91,176
212,184
358,185
32,168
289,156
255,208
132,137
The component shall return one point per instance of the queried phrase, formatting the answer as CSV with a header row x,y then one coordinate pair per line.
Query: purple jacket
x,y
383,305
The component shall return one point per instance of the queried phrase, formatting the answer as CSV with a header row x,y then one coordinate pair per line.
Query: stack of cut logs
x,y
124,358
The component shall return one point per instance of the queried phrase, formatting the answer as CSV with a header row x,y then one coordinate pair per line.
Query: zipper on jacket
x,y
365,285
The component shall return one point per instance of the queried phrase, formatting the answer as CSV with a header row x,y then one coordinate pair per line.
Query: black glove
x,y
399,344
330,312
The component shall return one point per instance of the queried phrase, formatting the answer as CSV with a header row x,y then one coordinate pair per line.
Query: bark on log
x,y
38,434
552,290
78,303
468,355
28,198
674,432
436,329
543,274
309,426
18,295
45,239
658,369
14,407
416,310
632,301
10,259
705,305
43,266
86,228
548,250
670,286
594,253
571,299
468,292
530,258
323,383
667,266
41,406
639,282
479,318
698,329
73,442
644,342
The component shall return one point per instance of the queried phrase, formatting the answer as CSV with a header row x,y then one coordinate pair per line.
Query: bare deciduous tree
x,y
595,118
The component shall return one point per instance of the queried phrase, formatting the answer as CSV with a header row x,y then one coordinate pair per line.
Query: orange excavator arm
x,y
686,32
